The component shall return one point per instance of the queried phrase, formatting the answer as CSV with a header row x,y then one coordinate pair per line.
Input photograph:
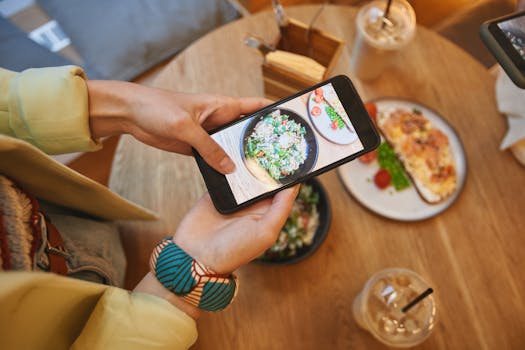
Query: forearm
x,y
110,106
151,285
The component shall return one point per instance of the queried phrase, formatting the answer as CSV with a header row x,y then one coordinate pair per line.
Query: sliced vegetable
x,y
316,111
369,157
371,108
382,178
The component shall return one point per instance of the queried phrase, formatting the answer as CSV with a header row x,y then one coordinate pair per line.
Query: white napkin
x,y
511,102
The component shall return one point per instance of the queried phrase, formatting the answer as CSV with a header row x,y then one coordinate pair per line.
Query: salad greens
x,y
300,227
335,118
387,160
278,144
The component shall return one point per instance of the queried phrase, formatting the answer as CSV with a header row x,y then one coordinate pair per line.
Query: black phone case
x,y
500,53
209,173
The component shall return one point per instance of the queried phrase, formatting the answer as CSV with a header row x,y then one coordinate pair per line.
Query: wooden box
x,y
319,45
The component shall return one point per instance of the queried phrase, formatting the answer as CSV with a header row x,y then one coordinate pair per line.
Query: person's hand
x,y
167,120
226,242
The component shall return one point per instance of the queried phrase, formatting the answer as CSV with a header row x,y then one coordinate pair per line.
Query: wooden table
x,y
474,253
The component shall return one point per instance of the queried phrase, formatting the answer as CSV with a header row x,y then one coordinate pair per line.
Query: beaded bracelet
x,y
186,277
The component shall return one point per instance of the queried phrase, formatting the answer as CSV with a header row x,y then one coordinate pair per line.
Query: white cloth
x,y
511,102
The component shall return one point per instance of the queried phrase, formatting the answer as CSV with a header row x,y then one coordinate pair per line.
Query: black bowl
x,y
325,216
311,142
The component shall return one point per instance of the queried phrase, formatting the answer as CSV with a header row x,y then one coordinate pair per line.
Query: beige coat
x,y
46,111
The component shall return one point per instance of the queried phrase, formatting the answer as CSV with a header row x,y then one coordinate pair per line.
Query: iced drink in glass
x,y
378,308
379,38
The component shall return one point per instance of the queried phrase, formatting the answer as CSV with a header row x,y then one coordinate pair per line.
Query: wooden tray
x,y
319,45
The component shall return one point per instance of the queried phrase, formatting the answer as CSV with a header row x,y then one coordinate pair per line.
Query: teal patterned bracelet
x,y
195,283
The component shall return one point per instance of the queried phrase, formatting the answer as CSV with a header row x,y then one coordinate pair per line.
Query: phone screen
x,y
293,139
514,30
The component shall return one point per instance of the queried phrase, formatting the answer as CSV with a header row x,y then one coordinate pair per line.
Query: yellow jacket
x,y
46,110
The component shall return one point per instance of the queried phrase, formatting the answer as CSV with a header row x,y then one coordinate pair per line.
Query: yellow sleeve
x,y
47,107
59,312
123,320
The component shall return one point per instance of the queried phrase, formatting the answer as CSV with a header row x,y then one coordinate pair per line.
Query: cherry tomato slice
x,y
318,99
371,108
316,111
382,179
334,125
369,157
319,92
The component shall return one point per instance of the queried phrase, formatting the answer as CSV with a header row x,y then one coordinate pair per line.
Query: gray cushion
x,y
121,39
18,52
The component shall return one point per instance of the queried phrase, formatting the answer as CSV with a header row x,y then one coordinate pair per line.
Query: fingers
x,y
233,108
248,105
210,150
282,203
212,153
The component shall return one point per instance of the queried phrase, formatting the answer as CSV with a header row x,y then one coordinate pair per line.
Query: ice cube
x,y
401,328
402,280
396,312
412,326
378,287
388,294
387,325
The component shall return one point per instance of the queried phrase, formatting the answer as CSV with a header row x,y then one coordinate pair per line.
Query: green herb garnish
x,y
334,117
387,160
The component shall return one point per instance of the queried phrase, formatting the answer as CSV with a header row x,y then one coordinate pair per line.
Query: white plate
x,y
323,124
405,205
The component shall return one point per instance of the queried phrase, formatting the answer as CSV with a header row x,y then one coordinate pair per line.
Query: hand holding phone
x,y
226,242
172,121
289,141
505,38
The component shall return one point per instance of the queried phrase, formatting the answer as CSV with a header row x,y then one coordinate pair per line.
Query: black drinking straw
x,y
387,11
417,299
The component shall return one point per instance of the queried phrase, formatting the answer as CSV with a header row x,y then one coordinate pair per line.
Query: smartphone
x,y
505,38
288,142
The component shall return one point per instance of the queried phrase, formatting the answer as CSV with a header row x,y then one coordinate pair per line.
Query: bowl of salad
x,y
279,146
305,229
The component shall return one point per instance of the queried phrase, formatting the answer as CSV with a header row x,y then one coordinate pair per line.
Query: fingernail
x,y
227,165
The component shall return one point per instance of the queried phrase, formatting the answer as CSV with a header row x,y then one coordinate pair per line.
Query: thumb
x,y
210,150
276,215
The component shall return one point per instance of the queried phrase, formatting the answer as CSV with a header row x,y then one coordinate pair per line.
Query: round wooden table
x,y
473,253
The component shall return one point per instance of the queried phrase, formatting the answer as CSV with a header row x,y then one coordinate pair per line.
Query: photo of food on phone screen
x,y
286,143
514,30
